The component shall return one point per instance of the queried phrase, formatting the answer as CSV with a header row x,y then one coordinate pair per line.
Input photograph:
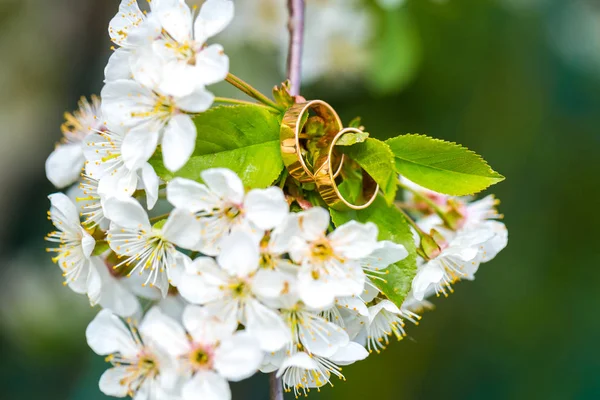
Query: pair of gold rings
x,y
328,163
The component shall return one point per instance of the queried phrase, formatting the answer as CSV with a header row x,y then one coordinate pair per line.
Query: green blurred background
x,y
518,81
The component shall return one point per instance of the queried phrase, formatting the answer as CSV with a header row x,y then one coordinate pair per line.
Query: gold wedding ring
x,y
290,138
328,189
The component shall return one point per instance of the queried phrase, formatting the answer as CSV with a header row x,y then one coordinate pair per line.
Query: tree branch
x,y
296,28
276,387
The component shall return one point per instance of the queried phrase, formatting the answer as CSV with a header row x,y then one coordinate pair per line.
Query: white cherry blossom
x,y
222,207
228,289
209,355
75,244
105,164
141,369
64,165
152,118
178,60
458,259
146,249
384,321
330,263
302,371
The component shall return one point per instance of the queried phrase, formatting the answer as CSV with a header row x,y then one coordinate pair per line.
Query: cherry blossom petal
x,y
239,254
139,145
178,141
107,334
164,331
64,165
212,65
354,240
206,385
126,212
182,229
214,16
266,208
113,382
190,195
225,184
238,357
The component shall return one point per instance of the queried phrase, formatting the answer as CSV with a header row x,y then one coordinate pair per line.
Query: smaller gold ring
x,y
289,136
328,189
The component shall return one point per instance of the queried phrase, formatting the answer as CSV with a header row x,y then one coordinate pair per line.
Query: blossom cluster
x,y
231,280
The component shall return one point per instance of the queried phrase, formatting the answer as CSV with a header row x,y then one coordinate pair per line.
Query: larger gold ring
x,y
289,136
328,189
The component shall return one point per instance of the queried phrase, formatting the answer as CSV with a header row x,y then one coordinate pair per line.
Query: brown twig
x,y
296,28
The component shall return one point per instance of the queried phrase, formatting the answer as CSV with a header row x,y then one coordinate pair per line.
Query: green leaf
x,y
375,157
242,138
398,53
441,166
351,138
394,227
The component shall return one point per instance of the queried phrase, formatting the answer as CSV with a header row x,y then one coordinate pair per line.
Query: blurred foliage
x,y
489,74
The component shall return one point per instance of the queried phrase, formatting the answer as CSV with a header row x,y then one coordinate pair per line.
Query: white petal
x,y
164,331
205,327
126,21
299,360
151,183
176,19
238,357
206,385
212,65
64,165
122,182
182,229
178,143
214,16
180,79
199,100
385,254
270,283
106,334
321,337
313,223
118,66
318,294
431,274
203,281
225,184
114,295
266,326
349,354
239,254
139,145
123,98
126,212
63,211
190,195
87,244
353,304
354,240
266,208
113,381
283,234
146,66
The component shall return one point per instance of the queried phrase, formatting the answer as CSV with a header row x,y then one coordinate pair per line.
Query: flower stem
x,y
276,387
251,91
412,222
427,200
226,100
296,28
159,218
